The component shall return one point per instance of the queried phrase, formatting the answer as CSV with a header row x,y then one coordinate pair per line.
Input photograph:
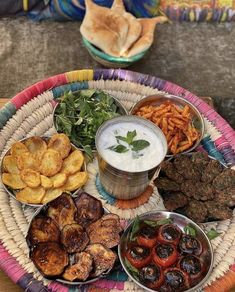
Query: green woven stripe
x,y
60,90
6,113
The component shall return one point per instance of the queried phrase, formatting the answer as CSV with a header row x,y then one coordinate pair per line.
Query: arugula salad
x,y
80,114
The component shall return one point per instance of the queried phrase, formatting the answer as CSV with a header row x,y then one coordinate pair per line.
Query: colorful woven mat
x,y
30,113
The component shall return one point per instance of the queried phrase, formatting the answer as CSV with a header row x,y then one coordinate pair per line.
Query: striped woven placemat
x,y
30,113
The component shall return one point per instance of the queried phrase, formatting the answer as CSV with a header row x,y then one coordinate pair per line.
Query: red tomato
x,y
139,256
176,279
165,254
147,236
169,233
191,265
152,276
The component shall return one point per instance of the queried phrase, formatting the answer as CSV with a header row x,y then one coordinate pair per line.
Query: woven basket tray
x,y
30,113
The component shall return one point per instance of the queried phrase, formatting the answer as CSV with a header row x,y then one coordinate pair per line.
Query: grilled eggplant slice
x,y
81,270
103,258
105,231
74,238
89,209
50,258
43,229
62,210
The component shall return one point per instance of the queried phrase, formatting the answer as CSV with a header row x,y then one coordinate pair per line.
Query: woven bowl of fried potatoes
x,y
180,121
36,170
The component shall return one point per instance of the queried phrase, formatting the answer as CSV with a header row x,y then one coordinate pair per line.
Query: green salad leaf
x,y
188,229
158,222
213,234
135,272
80,114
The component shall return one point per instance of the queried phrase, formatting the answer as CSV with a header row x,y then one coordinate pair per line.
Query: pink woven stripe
x,y
108,284
55,286
10,266
26,95
174,89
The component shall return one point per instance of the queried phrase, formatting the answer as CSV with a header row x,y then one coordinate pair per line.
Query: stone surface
x,y
198,57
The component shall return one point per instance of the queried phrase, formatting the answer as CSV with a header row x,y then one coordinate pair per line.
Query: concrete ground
x,y
199,57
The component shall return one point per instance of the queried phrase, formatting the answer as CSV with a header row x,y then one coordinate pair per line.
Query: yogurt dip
x,y
128,159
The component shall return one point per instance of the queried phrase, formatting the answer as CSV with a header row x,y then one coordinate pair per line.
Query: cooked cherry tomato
x,y
151,276
190,244
191,265
165,254
176,279
139,256
147,236
169,233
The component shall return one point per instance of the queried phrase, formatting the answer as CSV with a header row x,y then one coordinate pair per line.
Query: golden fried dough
x,y
73,162
30,177
13,180
10,165
51,162
75,181
31,195
60,143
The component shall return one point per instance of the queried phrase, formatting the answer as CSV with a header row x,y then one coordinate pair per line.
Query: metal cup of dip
x,y
125,171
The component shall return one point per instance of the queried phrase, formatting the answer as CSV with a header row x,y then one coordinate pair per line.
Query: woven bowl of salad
x,y
79,114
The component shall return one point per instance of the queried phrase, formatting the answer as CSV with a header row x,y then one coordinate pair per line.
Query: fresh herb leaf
x,y
131,268
121,138
80,114
130,136
135,228
190,230
119,148
211,234
139,145
158,222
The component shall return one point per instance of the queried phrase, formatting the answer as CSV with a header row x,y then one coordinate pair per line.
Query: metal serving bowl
x,y
41,212
158,99
12,192
181,221
120,110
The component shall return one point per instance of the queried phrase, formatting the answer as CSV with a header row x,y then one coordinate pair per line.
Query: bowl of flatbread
x,y
114,37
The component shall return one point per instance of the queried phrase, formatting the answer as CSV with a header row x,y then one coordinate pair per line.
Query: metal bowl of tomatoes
x,y
165,251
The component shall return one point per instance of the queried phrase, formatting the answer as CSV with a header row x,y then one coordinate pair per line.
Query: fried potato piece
x,y
18,148
50,258
37,146
10,165
51,162
30,177
13,180
89,209
103,258
60,143
51,194
43,229
46,182
62,210
73,162
26,160
74,238
58,179
81,269
76,181
31,195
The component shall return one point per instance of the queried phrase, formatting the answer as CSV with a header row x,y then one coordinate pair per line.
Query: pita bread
x,y
147,35
134,25
104,28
